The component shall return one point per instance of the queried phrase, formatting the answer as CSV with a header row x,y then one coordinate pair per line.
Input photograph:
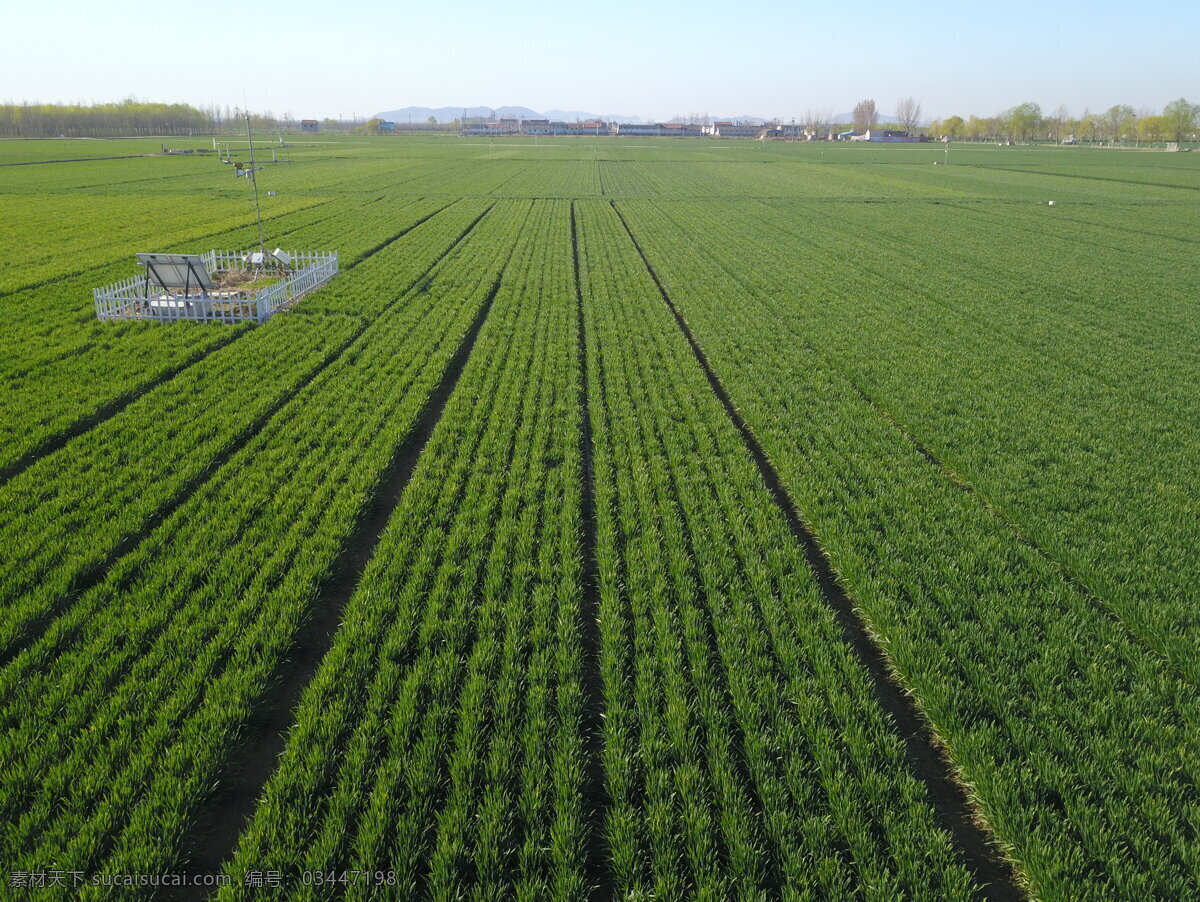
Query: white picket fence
x,y
136,298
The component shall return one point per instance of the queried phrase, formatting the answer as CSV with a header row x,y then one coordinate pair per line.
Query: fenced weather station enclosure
x,y
219,286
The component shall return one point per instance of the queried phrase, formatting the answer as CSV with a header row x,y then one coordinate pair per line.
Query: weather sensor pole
x,y
262,247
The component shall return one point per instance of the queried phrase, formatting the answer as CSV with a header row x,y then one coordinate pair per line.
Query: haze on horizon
x,y
765,59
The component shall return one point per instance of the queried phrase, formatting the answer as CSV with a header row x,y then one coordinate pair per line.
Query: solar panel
x,y
176,271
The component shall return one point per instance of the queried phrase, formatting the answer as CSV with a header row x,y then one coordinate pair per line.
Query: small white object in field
x,y
1052,203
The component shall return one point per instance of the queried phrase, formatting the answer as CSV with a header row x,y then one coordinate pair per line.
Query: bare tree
x,y
1057,120
812,120
908,113
865,115
825,126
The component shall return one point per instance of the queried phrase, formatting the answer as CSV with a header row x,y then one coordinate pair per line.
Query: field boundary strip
x,y
213,833
58,440
596,802
926,758
99,571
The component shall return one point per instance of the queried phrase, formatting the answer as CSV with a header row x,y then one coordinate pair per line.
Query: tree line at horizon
x,y
1026,122
129,118
1177,122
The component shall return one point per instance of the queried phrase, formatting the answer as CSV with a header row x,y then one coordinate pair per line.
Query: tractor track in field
x,y
213,832
127,156
96,573
595,797
58,440
926,758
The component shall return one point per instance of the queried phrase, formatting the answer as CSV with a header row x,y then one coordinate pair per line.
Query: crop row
x,y
67,514
314,172
47,321
50,399
70,511
744,748
131,177
1078,746
440,738
980,173
119,718
407,258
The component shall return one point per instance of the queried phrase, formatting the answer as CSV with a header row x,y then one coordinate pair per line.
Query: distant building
x,y
659,130
593,127
679,130
535,126
494,128
786,132
640,129
730,130
310,125
386,126
890,136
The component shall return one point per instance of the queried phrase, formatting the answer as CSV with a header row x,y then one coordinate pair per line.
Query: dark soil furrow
x,y
595,800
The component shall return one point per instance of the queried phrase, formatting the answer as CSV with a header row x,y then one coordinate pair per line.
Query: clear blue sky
x,y
637,57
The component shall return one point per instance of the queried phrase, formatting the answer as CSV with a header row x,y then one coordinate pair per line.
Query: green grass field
x,y
629,519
